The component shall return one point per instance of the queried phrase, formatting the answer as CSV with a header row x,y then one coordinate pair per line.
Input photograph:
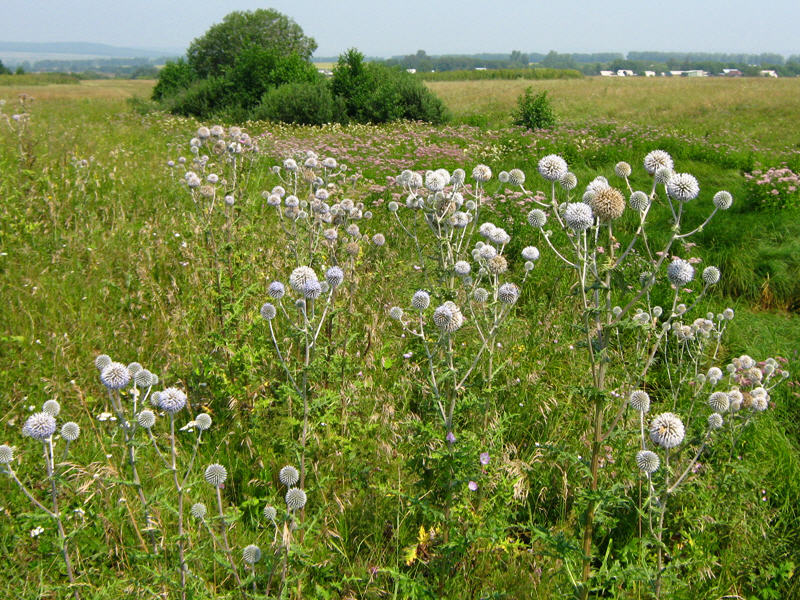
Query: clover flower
x,y
508,293
202,421
516,177
288,476
723,200
481,173
568,181
639,201
295,499
268,311
622,169
146,419
39,426
719,401
639,400
608,204
552,167
215,475
171,400
252,553
666,430
421,300
680,272
657,159
52,407
70,431
6,454
115,376
578,216
537,218
683,187
647,461
198,511
711,275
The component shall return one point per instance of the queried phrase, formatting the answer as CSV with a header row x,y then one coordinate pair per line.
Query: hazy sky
x,y
381,28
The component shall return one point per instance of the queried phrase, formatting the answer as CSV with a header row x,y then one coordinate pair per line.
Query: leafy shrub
x,y
174,77
204,97
307,103
534,111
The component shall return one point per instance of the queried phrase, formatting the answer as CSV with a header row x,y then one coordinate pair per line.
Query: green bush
x,y
534,111
173,78
203,98
302,103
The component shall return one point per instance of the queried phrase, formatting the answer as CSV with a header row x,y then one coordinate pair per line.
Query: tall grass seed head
x,y
102,361
295,499
171,400
115,376
39,426
680,272
252,553
215,475
578,216
52,407
723,200
639,201
639,400
6,454
608,204
146,419
647,461
666,430
288,476
657,159
552,167
421,300
683,187
70,431
537,218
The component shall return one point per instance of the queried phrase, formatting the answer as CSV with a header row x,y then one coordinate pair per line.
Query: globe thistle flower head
x,y
759,403
143,378
578,216
300,278
393,206
421,300
215,475
487,252
639,400
723,200
288,476
666,430
480,295
639,201
503,177
719,401
353,230
462,268
711,275
434,181
458,177
657,159
312,290
714,421
508,293
530,253
146,419
680,272
276,290
378,239
270,512
608,204
290,164
595,185
447,317
552,167
198,511
727,314
622,169
155,397
497,265
334,276
115,376
6,454
329,162
39,426
202,421
714,375
647,461
481,173
70,431
499,236
102,361
516,177
683,187
396,313
203,133
295,499
252,553
537,218
568,181
52,407
171,400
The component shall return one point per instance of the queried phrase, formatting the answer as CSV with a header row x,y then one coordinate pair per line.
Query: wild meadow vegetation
x,y
256,360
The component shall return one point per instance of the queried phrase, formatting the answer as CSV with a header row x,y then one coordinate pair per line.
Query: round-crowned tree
x,y
215,51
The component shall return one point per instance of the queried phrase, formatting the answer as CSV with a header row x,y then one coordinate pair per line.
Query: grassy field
x,y
103,250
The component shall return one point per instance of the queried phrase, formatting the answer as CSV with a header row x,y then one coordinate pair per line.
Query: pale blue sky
x,y
386,28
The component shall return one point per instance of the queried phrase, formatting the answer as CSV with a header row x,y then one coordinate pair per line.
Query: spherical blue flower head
x,y
578,216
680,272
276,290
552,167
115,376
171,400
39,426
421,300
334,276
